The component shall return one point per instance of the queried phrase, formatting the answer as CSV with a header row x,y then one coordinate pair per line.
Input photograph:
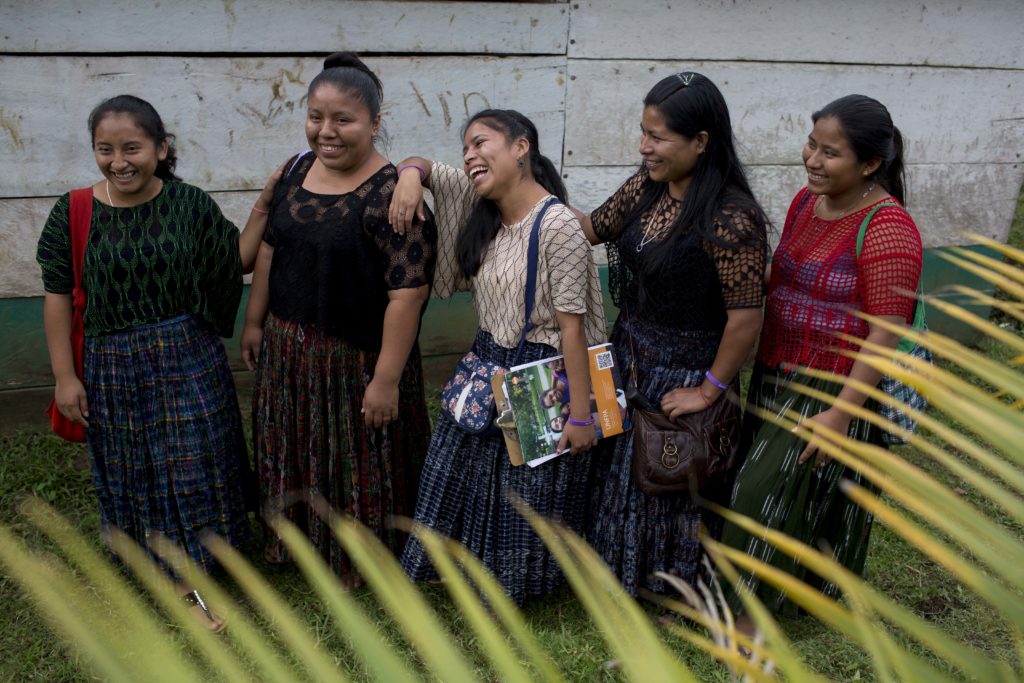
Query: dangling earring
x,y
521,164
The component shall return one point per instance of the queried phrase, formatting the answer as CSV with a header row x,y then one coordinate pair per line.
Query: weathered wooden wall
x,y
230,79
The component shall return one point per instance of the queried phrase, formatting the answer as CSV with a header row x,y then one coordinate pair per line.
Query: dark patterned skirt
x,y
803,502
311,442
637,534
463,496
165,435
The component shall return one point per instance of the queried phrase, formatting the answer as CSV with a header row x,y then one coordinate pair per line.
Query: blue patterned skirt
x,y
637,534
165,435
462,496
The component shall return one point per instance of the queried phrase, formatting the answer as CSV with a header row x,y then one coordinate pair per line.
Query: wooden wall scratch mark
x,y
10,124
444,109
419,98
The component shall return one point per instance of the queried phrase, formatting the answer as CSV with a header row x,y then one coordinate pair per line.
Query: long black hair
x,y
147,119
484,220
691,103
869,129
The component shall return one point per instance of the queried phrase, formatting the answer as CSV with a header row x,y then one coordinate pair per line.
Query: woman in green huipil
x,y
162,278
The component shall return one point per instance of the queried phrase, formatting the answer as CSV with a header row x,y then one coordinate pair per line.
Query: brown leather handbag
x,y
689,453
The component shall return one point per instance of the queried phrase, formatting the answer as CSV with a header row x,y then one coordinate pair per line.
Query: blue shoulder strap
x,y
532,255
298,158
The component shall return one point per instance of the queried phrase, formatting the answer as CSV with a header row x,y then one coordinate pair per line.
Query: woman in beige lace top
x,y
484,216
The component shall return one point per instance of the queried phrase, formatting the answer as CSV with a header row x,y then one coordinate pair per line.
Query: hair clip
x,y
685,78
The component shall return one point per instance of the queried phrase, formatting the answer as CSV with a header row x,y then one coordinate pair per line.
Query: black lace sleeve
x,y
741,257
408,259
609,219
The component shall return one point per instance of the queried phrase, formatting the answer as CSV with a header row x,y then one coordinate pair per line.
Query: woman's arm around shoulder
x,y
608,221
407,200
252,234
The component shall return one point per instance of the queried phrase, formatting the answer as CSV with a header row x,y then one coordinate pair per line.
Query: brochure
x,y
538,394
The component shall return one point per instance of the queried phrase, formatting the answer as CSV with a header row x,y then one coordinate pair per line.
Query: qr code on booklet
x,y
604,360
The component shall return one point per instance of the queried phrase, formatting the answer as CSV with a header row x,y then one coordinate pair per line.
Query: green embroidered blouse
x,y
176,253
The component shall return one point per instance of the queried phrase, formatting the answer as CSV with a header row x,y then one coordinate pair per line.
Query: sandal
x,y
193,599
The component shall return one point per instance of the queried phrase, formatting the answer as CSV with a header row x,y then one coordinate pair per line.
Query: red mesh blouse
x,y
816,279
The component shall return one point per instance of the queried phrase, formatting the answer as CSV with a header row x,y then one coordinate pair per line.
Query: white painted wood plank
x,y
946,115
270,26
236,119
981,33
936,197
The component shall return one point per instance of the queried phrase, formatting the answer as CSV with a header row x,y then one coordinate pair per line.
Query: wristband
x,y
707,401
714,380
423,174
581,423
259,210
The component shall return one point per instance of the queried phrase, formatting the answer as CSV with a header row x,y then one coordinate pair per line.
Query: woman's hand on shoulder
x,y
380,403
406,202
267,193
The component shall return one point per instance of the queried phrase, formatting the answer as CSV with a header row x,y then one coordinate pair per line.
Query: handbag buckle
x,y
669,454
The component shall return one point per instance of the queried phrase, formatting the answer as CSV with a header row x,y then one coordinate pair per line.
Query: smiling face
x,y
339,128
669,157
491,160
833,168
552,396
127,157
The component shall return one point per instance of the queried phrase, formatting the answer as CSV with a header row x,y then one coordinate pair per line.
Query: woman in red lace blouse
x,y
854,162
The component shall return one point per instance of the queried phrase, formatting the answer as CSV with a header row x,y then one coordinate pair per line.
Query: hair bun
x,y
344,59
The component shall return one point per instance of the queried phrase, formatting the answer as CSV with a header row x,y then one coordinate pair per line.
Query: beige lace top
x,y
566,275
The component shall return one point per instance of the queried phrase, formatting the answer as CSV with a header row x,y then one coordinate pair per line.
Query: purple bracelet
x,y
714,380
423,173
581,423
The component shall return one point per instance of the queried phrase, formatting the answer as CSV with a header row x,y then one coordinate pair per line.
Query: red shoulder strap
x,y
81,218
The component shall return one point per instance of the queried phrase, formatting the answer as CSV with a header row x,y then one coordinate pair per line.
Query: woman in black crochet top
x,y
339,414
687,248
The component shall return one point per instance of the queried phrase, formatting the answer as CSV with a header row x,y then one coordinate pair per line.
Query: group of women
x,y
344,256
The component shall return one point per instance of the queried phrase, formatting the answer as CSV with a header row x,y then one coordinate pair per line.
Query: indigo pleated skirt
x,y
636,534
165,436
797,499
463,495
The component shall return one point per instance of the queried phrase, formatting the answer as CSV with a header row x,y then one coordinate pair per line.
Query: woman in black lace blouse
x,y
687,248
338,408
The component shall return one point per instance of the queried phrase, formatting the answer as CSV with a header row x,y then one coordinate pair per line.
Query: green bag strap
x,y
864,224
919,322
